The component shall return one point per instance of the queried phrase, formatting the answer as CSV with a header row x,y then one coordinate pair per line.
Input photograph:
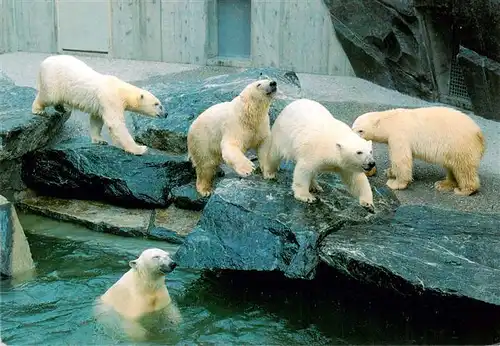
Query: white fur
x,y
140,292
439,135
66,80
306,132
225,131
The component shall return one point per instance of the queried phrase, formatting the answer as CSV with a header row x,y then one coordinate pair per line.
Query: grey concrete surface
x,y
348,97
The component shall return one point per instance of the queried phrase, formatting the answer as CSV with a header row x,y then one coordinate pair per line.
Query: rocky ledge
x,y
253,224
185,100
79,169
169,224
21,132
421,249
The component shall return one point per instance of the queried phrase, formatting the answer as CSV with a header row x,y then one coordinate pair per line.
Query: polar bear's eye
x,y
359,152
360,131
258,85
156,257
156,103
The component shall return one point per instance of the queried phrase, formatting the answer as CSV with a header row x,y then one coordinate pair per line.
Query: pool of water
x,y
74,266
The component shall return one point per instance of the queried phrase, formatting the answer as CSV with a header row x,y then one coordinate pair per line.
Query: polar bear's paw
x,y
244,168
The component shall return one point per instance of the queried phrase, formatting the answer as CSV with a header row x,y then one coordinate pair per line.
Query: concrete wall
x,y
290,34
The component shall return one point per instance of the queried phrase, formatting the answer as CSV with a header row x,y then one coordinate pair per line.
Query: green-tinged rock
x,y
252,224
185,100
445,252
78,169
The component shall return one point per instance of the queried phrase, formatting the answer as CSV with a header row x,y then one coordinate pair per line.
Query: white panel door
x,y
83,25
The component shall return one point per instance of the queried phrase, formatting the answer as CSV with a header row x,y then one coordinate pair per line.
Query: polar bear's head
x,y
148,104
154,262
368,126
356,154
261,90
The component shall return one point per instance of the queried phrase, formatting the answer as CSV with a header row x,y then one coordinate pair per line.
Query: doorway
x,y
233,28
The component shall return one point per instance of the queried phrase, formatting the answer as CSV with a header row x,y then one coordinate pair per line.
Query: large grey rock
x,y
252,224
422,249
482,76
185,100
21,131
82,170
384,44
15,254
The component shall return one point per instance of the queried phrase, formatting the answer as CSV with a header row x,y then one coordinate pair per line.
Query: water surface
x,y
74,266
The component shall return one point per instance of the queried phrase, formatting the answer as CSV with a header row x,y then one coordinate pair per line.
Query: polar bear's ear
x,y
133,264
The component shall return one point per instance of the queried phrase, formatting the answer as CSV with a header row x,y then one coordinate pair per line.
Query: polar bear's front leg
x,y
38,106
269,160
302,177
96,124
359,186
401,164
234,157
120,135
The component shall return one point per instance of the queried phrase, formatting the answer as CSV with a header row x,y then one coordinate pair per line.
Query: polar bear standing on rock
x,y
307,133
66,80
225,131
438,135
141,292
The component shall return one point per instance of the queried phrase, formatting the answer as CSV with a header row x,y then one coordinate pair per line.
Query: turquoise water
x,y
74,266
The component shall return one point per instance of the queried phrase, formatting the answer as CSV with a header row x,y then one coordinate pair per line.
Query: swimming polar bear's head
x,y
155,262
356,154
261,90
148,104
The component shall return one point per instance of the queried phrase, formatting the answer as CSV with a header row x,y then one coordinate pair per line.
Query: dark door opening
x,y
233,28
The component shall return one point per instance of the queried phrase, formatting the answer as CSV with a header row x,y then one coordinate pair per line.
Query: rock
x,y
97,216
21,132
445,252
185,100
170,224
173,224
186,197
389,50
15,254
482,76
252,224
81,170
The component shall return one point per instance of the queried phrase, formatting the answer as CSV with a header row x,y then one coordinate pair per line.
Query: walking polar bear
x,y
66,80
141,293
225,131
306,132
439,135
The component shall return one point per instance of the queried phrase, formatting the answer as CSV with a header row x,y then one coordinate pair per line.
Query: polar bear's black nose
x,y
273,83
172,265
371,164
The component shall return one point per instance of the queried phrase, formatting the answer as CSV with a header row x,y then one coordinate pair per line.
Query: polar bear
x,y
141,293
66,80
225,131
306,132
439,135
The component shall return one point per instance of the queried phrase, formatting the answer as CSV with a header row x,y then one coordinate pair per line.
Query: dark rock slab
x,y
422,249
482,76
185,100
81,170
389,50
21,132
15,254
252,224
186,197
